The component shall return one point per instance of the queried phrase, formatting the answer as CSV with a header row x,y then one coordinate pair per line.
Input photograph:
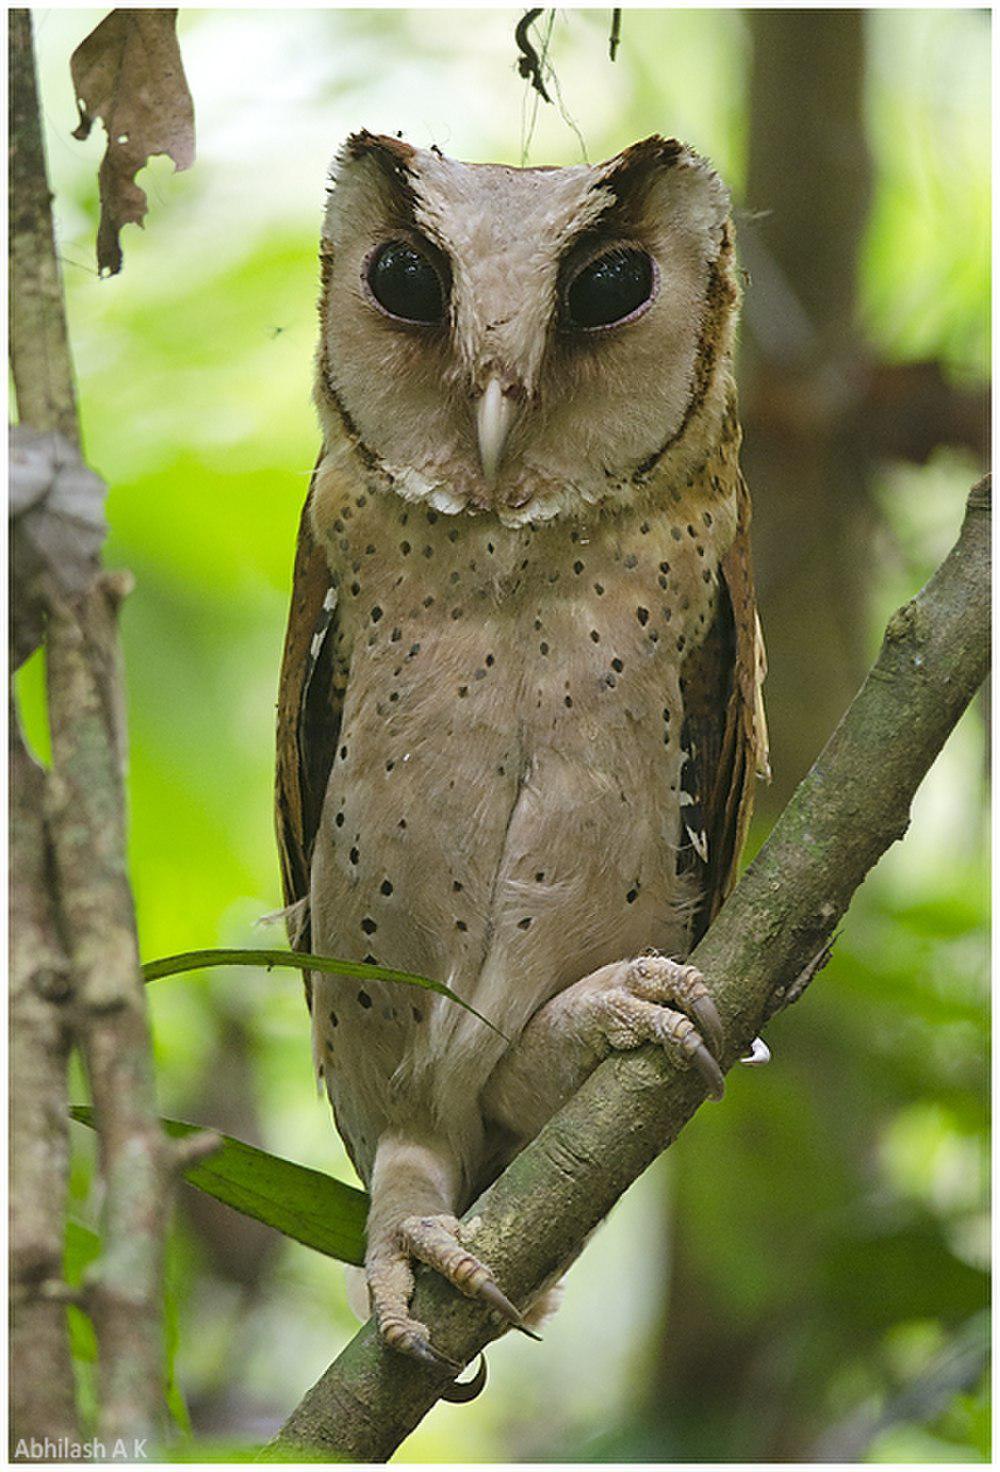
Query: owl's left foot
x,y
433,1240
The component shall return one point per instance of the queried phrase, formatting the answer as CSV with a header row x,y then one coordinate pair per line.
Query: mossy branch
x,y
759,953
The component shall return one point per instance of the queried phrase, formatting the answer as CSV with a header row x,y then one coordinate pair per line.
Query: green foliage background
x,y
830,1217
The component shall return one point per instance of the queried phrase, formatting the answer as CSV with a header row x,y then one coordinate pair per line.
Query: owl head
x,y
523,341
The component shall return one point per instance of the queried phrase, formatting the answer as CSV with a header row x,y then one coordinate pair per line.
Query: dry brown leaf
x,y
128,73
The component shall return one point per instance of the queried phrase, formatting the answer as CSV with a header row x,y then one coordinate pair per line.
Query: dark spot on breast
x,y
461,925
370,960
617,664
543,647
642,614
453,535
355,589
456,613
676,533
334,1020
524,924
364,999
644,528
706,574
567,702
595,636
578,568
632,896
681,641
631,560
385,887
610,681
401,823
343,753
405,548
463,691
428,551
540,877
353,856
390,764
429,600
414,650
456,886
490,661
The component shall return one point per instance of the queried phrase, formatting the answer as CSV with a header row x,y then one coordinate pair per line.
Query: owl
x,y
519,711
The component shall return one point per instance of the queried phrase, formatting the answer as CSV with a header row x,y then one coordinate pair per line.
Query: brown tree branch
x,y
41,1373
854,803
42,1399
75,961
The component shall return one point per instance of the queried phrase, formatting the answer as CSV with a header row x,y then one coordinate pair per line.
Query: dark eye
x,y
406,284
609,289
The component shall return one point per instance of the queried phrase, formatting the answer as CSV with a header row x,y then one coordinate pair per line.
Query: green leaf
x,y
306,1205
299,961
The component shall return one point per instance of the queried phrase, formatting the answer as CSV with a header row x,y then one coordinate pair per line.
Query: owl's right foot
x,y
433,1240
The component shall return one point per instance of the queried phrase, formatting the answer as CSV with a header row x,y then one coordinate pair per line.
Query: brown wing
x,y
309,710
724,734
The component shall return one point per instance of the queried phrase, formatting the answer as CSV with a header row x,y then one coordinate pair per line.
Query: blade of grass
x,y
300,961
306,1205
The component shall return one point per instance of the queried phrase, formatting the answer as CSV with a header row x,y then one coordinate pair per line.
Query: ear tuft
x,y
391,156
647,174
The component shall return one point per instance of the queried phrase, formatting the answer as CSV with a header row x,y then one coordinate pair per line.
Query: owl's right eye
x,y
405,284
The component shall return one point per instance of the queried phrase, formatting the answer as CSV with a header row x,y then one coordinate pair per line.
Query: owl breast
x,y
503,811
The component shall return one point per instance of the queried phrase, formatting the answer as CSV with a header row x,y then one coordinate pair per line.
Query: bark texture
x,y
75,966
41,1373
759,953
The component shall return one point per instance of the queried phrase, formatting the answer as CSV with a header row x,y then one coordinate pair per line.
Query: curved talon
x,y
491,1294
460,1394
522,1328
422,1349
709,1070
706,1014
759,1054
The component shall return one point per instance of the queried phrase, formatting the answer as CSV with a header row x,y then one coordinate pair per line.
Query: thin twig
x,y
528,64
615,38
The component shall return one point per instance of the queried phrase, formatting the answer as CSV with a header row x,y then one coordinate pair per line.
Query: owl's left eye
x,y
405,283
613,288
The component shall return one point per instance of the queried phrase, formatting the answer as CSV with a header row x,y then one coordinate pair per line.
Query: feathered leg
x,y
619,1007
414,1193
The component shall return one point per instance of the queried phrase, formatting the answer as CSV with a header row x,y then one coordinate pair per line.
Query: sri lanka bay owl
x,y
520,714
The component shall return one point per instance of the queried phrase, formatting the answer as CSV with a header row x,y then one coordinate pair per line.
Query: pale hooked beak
x,y
494,417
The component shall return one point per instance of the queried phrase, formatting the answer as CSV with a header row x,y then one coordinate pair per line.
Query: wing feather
x,y
310,702
724,734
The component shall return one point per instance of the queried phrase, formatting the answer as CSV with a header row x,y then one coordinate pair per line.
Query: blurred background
x,y
803,1277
